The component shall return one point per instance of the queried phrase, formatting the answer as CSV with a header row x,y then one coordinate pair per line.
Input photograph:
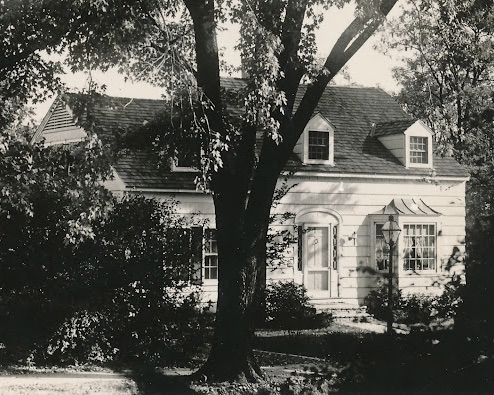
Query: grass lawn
x,y
340,358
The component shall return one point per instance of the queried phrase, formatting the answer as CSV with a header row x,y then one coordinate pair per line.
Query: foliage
x,y
50,200
415,308
140,304
288,307
377,301
447,81
102,279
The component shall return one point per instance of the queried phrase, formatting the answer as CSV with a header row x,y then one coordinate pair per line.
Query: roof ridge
x,y
409,119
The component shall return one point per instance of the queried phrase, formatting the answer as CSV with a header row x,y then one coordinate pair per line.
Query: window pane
x,y
210,255
381,249
318,145
418,150
419,252
211,267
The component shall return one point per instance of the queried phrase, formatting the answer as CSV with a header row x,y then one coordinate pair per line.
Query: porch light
x,y
390,231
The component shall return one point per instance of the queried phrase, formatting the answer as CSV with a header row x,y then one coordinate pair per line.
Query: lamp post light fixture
x,y
390,231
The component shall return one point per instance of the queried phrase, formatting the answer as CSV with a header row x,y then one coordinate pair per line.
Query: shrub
x,y
377,302
288,307
415,308
130,298
82,338
169,335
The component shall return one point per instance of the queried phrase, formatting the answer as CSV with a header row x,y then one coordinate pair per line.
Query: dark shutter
x,y
335,247
300,232
196,255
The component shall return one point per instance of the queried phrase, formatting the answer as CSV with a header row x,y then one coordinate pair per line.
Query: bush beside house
x,y
84,277
416,308
288,307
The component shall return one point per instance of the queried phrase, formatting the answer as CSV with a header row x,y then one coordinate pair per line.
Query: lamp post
x,y
390,231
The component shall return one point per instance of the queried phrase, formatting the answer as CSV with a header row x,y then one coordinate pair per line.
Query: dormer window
x,y
318,145
187,157
419,150
409,140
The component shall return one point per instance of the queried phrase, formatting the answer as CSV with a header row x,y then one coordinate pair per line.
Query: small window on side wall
x,y
210,255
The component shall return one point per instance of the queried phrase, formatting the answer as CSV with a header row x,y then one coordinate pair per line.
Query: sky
x,y
368,67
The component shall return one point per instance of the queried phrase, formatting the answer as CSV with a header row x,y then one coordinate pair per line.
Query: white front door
x,y
320,274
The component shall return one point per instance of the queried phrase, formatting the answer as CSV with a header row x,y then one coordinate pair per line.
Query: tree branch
x,y
291,35
351,40
207,56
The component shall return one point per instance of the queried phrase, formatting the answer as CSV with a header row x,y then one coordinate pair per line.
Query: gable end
x,y
59,126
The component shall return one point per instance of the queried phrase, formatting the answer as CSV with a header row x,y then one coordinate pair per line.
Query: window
x,y
187,155
381,249
210,255
318,145
186,160
419,150
419,251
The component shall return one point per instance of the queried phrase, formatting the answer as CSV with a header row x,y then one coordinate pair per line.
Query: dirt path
x,y
67,383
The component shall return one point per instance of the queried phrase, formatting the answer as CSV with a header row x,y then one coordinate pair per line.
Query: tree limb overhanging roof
x,y
351,110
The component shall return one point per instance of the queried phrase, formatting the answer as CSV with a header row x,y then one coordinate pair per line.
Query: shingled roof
x,y
392,127
353,111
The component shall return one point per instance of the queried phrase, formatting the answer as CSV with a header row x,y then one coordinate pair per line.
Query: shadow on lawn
x,y
419,362
415,363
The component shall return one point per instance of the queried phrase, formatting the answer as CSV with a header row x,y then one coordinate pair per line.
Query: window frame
x,y
374,235
399,253
380,219
319,146
421,222
428,149
190,169
418,153
206,254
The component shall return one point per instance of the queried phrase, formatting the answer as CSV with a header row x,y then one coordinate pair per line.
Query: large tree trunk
x,y
240,255
243,197
241,227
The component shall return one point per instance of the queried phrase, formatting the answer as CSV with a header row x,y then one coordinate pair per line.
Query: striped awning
x,y
407,206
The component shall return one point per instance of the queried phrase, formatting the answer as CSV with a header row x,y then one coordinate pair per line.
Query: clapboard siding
x,y
354,201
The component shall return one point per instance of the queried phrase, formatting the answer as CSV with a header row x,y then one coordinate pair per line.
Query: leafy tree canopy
x,y
448,81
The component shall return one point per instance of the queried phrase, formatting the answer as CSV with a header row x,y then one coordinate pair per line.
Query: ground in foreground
x,y
342,358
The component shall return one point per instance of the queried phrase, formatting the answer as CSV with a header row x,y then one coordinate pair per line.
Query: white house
x,y
360,159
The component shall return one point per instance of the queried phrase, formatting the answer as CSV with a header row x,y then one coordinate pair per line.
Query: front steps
x,y
341,309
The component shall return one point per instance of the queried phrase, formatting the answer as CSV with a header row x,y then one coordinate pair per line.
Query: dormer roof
x,y
392,127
